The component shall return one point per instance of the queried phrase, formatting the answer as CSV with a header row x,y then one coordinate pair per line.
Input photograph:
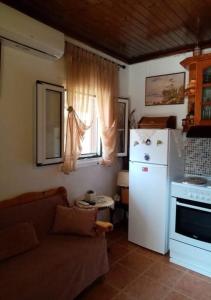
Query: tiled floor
x,y
139,274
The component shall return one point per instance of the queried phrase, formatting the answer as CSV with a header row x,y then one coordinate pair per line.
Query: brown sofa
x,y
61,266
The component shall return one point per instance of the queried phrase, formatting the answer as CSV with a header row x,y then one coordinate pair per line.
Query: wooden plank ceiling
x,y
130,30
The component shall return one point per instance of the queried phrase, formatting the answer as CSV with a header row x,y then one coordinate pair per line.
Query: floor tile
x,y
150,254
176,296
145,288
206,278
136,261
194,287
125,243
116,252
166,260
166,274
98,291
117,234
119,276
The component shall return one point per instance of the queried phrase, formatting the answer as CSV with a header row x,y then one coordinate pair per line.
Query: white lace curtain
x,y
88,74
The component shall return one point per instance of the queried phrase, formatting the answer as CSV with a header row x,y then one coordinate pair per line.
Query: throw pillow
x,y
17,239
75,220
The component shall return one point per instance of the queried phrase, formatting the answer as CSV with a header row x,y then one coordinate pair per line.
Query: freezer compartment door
x,y
148,206
149,145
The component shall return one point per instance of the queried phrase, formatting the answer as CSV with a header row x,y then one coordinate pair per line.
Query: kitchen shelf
x,y
206,104
206,85
199,68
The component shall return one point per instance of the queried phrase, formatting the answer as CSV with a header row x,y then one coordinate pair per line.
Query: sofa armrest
x,y
103,227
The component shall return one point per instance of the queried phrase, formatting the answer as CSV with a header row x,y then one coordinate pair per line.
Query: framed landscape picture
x,y
165,89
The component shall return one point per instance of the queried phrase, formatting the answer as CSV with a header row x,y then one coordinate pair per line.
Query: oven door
x,y
191,222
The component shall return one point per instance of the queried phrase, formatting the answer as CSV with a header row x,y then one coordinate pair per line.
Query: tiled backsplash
x,y
198,156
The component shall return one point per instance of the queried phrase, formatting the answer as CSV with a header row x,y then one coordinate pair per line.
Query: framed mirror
x,y
122,127
49,123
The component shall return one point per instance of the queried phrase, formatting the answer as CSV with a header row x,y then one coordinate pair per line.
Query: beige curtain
x,y
88,75
107,91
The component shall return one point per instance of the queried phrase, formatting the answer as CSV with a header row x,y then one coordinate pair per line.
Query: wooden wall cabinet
x,y
199,89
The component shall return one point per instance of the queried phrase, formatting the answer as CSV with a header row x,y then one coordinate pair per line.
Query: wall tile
x,y
198,156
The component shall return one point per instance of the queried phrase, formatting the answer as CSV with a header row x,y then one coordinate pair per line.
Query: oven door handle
x,y
194,207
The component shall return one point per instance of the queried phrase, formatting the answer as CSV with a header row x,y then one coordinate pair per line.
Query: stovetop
x,y
197,180
192,188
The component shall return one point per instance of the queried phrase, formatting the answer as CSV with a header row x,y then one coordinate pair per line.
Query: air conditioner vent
x,y
30,34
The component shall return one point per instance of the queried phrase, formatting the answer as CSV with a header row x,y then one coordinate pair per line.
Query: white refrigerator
x,y
155,159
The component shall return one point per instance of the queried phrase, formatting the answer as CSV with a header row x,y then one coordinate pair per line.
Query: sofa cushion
x,y
75,220
17,239
59,269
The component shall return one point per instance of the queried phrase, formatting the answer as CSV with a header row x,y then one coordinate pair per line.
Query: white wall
x,y
18,173
138,73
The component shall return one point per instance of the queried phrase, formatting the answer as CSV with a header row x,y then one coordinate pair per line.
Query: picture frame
x,y
49,123
167,89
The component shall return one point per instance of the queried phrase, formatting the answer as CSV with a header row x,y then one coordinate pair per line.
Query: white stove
x,y
190,229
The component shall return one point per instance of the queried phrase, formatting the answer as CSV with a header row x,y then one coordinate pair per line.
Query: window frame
x,y
125,101
42,88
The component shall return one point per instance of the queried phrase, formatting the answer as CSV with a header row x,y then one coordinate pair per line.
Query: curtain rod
x,y
107,59
119,65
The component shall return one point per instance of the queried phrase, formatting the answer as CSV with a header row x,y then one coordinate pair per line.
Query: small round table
x,y
100,202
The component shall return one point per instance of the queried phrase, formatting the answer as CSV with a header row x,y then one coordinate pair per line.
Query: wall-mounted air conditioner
x,y
29,34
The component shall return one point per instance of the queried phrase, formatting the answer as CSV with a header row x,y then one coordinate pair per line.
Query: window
x,y
91,146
